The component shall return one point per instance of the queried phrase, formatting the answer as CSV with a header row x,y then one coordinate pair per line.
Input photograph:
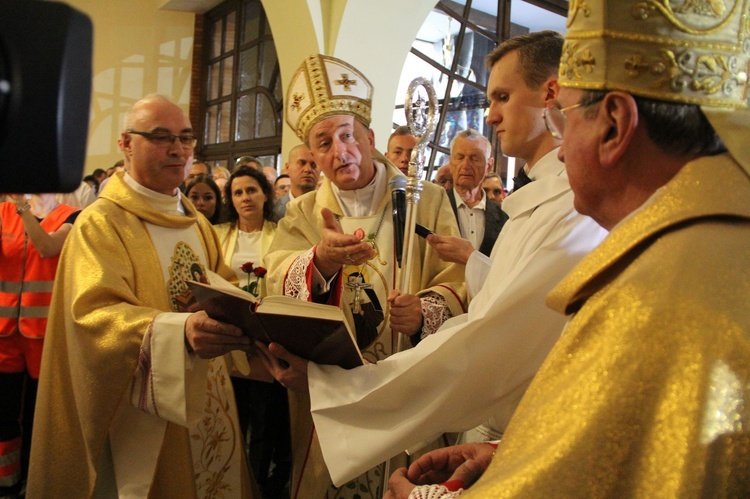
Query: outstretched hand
x,y
210,338
450,248
286,368
464,463
337,249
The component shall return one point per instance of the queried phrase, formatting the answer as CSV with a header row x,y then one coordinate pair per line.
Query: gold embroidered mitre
x,y
688,51
324,86
684,51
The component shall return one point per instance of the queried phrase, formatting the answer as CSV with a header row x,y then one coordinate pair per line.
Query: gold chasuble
x,y
647,393
123,408
360,291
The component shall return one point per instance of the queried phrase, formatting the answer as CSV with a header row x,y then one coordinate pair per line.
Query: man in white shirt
x,y
480,222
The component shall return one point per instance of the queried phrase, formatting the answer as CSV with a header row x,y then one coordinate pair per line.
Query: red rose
x,y
260,271
360,234
247,267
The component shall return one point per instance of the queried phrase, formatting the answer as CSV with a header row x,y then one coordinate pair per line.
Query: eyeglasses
x,y
166,139
554,119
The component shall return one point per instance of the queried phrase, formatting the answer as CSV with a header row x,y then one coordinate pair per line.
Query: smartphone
x,y
423,231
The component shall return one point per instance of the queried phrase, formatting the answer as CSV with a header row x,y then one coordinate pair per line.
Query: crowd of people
x,y
585,335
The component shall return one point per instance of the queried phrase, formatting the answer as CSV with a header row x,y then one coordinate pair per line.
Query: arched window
x,y
450,49
241,95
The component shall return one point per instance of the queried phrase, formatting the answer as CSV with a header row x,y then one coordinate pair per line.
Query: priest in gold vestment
x,y
336,245
647,392
134,395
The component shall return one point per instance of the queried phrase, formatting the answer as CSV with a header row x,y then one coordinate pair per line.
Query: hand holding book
x,y
309,330
288,369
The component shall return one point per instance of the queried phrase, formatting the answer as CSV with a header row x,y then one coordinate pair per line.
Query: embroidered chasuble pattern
x,y
123,269
372,281
214,439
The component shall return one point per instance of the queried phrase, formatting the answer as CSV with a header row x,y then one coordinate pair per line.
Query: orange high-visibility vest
x,y
26,278
10,462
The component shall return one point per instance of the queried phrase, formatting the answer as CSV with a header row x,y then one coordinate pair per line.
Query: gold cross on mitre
x,y
345,82
297,99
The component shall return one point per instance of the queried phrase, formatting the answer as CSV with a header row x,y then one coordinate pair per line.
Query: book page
x,y
286,305
218,282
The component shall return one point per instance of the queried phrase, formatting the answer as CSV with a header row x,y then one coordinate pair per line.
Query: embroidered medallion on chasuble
x,y
366,286
324,86
686,51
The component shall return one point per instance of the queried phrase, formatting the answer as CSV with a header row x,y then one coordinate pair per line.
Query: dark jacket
x,y
494,219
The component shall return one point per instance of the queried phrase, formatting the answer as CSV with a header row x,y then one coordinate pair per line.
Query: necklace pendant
x,y
356,284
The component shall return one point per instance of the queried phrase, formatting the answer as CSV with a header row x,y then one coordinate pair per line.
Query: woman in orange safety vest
x,y
32,232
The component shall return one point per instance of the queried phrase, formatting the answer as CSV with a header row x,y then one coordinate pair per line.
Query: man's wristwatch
x,y
23,209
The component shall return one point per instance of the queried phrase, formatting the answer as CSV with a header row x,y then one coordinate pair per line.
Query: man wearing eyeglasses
x,y
132,395
646,392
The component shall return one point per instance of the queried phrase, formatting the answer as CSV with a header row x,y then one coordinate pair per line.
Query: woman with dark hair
x,y
245,239
249,230
206,196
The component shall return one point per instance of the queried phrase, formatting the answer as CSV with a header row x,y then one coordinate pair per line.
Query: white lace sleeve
x,y
433,492
296,278
435,311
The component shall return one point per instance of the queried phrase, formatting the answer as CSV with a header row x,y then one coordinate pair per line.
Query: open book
x,y
309,330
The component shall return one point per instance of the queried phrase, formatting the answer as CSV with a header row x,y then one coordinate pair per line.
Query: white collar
x,y
363,202
170,205
481,205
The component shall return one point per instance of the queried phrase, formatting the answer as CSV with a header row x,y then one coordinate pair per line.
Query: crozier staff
x,y
335,245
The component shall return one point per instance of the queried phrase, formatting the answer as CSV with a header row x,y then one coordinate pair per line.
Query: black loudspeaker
x,y
45,94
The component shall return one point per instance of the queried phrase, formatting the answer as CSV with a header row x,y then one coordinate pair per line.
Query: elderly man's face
x,y
469,164
159,167
302,169
578,152
342,148
399,151
444,177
